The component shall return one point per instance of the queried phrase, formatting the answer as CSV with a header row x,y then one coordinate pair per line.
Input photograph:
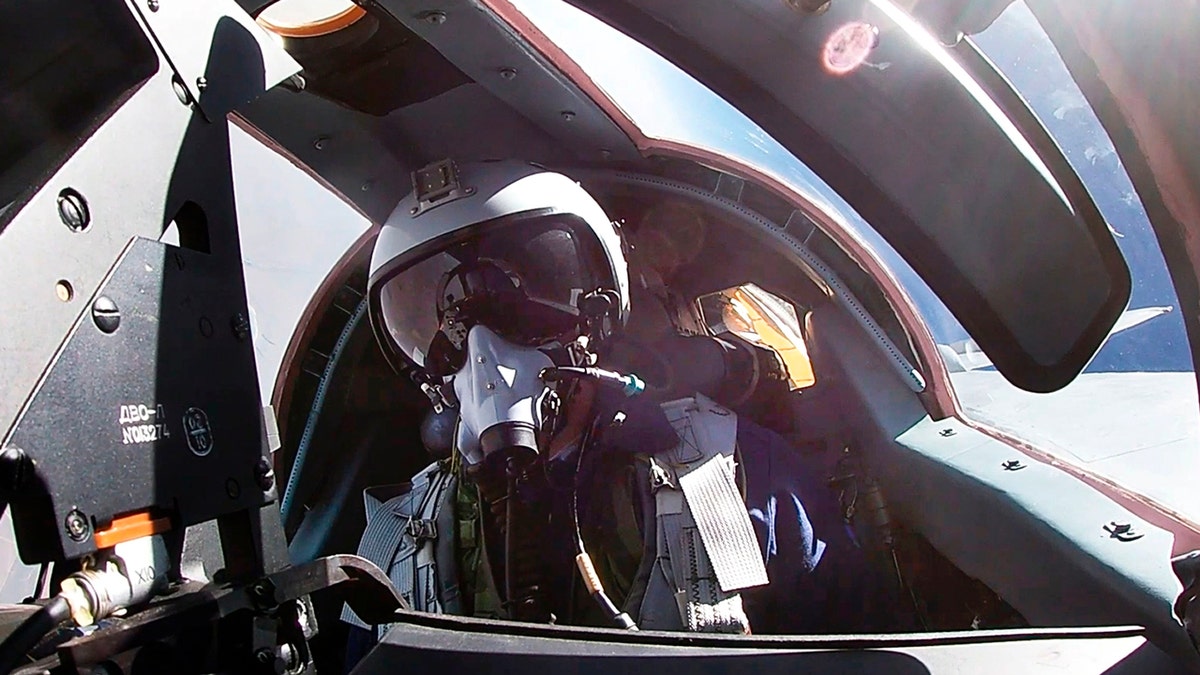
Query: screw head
x,y
201,83
320,142
106,315
153,5
233,489
77,526
567,115
73,210
508,73
435,17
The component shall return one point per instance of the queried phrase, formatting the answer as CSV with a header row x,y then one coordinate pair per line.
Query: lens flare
x,y
847,47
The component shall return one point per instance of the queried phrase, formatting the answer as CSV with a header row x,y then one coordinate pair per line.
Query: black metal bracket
x,y
363,586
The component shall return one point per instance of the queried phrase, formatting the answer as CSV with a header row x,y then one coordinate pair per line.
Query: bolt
x,y
206,327
490,385
233,489
106,314
153,5
73,210
508,73
240,327
263,474
201,83
321,142
568,115
77,525
181,91
435,17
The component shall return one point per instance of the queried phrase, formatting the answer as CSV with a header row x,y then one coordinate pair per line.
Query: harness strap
x,y
706,546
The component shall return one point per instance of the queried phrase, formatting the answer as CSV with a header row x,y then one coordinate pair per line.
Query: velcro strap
x,y
724,526
726,616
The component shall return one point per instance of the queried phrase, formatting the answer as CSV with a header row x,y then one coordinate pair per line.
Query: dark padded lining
x,y
1035,536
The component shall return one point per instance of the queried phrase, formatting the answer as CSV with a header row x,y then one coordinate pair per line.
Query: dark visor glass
x,y
522,279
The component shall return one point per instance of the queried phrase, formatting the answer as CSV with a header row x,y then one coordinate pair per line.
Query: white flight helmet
x,y
503,244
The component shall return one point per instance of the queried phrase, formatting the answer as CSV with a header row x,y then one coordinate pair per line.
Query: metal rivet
x,y
206,326
153,5
508,73
434,17
321,142
412,211
568,115
240,327
232,489
490,385
201,83
366,187
73,210
481,359
181,91
106,314
63,290
77,526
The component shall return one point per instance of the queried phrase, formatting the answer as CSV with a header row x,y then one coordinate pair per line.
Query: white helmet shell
x,y
487,192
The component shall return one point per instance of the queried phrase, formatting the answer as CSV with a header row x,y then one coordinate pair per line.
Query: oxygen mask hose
x,y
630,385
508,482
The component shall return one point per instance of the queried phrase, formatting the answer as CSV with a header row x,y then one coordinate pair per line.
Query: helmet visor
x,y
521,277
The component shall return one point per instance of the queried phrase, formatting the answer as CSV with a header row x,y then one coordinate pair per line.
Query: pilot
x,y
562,492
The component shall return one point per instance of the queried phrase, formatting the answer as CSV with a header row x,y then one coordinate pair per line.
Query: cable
x,y
630,385
584,561
314,413
31,631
